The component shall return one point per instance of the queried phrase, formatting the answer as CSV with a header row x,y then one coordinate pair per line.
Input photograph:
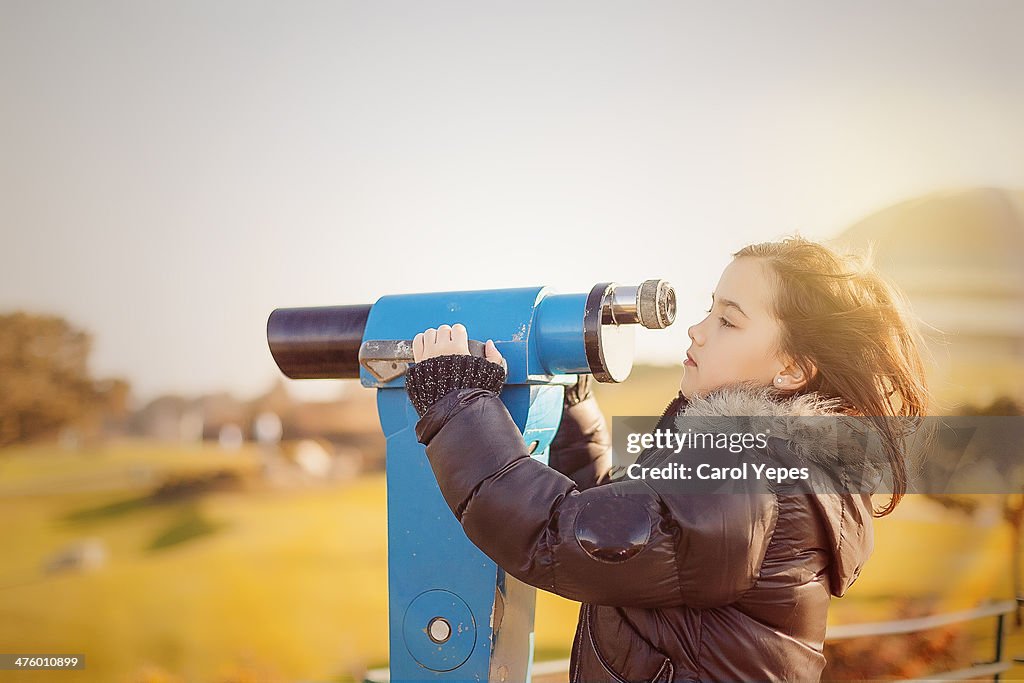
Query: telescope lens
x,y
669,301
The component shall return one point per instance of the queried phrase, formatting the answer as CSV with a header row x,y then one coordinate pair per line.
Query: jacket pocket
x,y
663,674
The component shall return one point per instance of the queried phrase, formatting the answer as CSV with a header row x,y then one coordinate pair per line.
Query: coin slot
x,y
439,630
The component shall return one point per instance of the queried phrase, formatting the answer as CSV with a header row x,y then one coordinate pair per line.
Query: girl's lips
x,y
689,361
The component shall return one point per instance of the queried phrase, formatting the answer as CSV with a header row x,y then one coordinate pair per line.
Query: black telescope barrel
x,y
318,343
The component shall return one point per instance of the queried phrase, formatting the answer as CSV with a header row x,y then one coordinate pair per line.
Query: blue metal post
x,y
454,614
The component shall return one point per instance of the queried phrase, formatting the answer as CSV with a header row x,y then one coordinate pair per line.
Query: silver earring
x,y
778,380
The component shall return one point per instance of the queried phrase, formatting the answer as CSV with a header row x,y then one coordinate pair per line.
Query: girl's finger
x,y
460,336
492,354
429,339
444,333
417,348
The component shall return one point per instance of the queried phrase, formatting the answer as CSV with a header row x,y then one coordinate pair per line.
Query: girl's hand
x,y
449,340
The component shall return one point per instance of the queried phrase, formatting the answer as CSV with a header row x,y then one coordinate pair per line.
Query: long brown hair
x,y
850,331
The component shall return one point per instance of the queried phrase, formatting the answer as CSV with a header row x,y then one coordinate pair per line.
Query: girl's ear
x,y
793,377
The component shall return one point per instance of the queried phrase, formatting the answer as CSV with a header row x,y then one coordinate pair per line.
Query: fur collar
x,y
831,439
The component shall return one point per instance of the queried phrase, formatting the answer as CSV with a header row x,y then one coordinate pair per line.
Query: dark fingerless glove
x,y
429,380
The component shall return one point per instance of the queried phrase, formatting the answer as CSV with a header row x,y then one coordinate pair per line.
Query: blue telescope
x,y
454,615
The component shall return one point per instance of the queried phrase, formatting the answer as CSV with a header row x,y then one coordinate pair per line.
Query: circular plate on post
x,y
439,630
609,348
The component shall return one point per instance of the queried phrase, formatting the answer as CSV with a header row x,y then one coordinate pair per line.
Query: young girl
x,y
680,586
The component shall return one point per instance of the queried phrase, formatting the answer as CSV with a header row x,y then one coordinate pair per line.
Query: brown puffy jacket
x,y
675,587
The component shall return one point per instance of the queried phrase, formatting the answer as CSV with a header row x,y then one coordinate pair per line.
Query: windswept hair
x,y
850,331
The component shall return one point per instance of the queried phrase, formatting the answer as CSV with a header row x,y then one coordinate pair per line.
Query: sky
x,y
171,172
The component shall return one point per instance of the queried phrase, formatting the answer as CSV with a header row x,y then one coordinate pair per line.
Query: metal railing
x,y
995,667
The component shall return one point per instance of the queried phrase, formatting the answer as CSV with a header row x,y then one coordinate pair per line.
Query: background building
x,y
959,256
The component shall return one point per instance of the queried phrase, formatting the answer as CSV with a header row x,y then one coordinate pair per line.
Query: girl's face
x,y
736,342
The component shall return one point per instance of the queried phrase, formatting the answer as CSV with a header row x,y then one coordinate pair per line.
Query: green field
x,y
292,584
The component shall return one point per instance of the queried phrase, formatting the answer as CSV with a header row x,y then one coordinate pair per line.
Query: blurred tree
x,y
44,378
1002,406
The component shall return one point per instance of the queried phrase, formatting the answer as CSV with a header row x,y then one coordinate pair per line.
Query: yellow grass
x,y
296,583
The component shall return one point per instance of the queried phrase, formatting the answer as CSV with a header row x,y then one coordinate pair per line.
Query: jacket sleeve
x,y
620,544
582,447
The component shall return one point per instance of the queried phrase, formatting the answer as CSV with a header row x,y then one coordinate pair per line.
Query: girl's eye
x,y
722,321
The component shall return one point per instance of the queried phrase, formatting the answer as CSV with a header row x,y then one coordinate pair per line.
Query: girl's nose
x,y
694,333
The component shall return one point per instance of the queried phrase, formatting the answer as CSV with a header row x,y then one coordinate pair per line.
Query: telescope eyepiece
x,y
657,304
652,304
